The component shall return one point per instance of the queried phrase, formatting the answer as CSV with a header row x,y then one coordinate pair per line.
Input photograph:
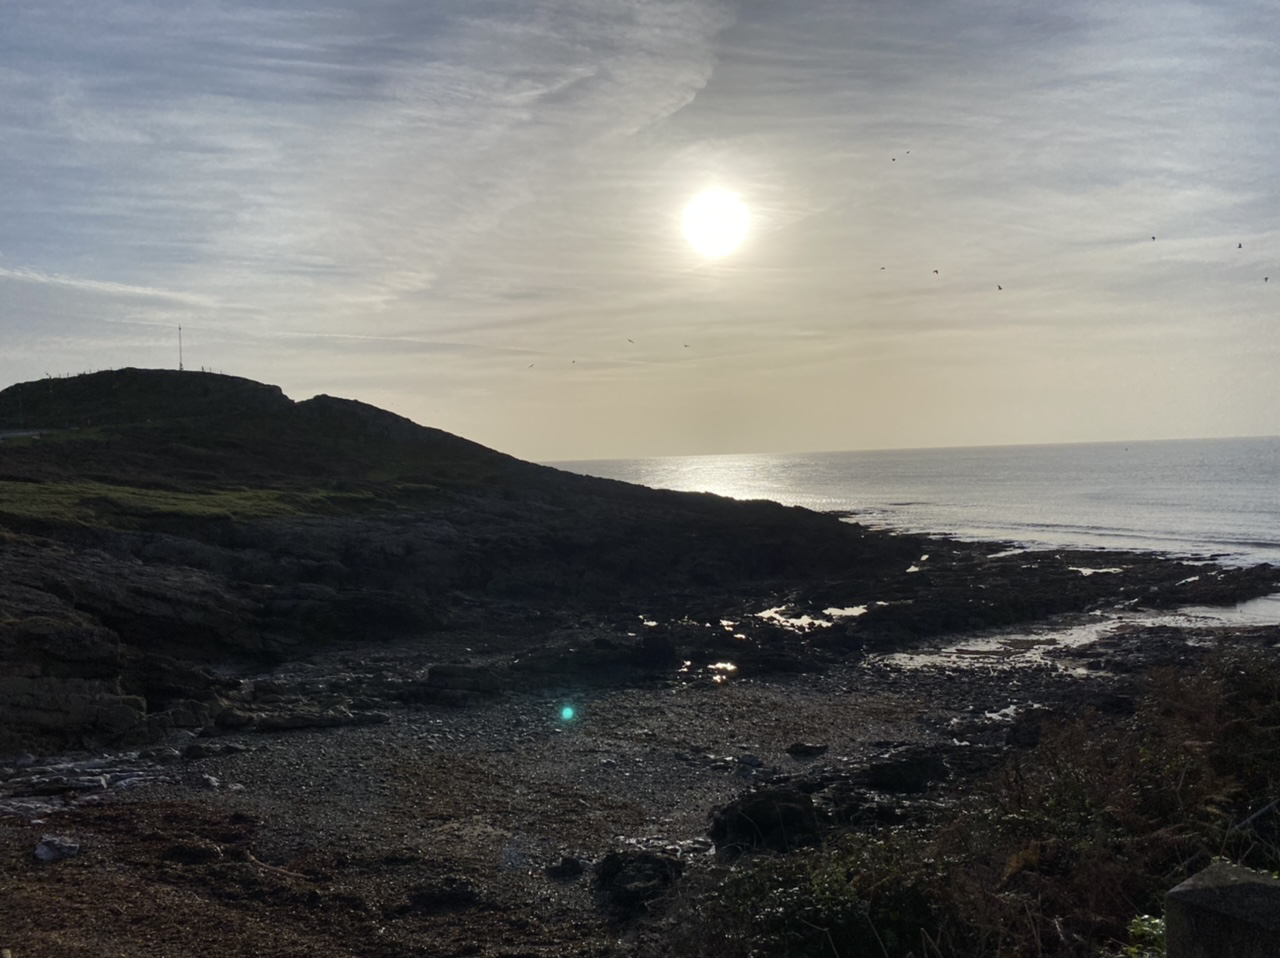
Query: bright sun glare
x,y
715,222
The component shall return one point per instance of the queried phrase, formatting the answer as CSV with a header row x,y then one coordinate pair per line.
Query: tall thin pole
x,y
179,349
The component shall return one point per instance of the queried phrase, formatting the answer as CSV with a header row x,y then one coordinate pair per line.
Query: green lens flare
x,y
567,713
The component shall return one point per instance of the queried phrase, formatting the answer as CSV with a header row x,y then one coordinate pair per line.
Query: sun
x,y
715,222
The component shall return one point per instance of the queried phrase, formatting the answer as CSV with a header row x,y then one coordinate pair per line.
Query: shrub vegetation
x,y
1066,851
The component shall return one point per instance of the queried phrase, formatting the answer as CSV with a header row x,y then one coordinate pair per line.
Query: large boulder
x,y
909,771
629,880
779,819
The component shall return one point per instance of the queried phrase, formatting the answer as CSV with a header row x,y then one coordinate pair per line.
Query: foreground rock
x,y
779,819
1224,910
631,880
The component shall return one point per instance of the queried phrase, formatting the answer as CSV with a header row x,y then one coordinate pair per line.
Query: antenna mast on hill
x,y
179,349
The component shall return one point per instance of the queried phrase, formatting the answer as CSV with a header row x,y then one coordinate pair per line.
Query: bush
x,y
1066,851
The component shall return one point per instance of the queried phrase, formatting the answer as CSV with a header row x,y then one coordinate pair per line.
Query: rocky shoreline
x,y
304,678
104,650
493,826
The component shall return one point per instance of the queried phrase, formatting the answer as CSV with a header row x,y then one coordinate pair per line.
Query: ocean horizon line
x,y
904,449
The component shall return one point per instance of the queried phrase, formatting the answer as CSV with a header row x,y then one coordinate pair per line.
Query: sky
x,y
470,212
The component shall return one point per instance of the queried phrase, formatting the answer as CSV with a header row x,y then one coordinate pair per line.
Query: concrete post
x,y
1223,912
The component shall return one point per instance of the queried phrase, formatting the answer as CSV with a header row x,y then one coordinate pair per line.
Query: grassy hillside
x,y
117,448
132,395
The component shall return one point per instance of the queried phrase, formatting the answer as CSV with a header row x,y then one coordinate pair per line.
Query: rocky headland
x,y
298,669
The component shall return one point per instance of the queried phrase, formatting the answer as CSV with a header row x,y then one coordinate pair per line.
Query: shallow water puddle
x,y
848,612
719,672
799,623
1263,611
1005,649
1028,647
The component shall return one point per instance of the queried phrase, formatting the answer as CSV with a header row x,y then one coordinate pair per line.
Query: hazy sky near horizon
x,y
469,212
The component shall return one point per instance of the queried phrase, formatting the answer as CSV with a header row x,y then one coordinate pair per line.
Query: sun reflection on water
x,y
753,476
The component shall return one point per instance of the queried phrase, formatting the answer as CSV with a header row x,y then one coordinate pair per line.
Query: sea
x,y
1192,498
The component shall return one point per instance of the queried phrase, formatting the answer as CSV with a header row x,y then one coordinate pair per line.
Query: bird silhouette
x,y
1239,245
531,365
998,286
935,272
631,341
1153,239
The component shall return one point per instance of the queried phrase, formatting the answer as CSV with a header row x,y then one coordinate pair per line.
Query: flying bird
x,y
998,286
935,272
1239,245
531,365
1153,239
631,341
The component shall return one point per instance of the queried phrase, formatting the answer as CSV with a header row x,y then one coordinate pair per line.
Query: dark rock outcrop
x,y
780,819
910,771
629,880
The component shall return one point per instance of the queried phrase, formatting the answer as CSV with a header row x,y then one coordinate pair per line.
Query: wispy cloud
x,y
418,200
106,287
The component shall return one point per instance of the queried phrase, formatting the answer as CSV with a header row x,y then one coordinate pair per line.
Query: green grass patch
x,y
102,504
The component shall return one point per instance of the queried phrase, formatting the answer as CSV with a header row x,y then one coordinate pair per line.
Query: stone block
x,y
1224,911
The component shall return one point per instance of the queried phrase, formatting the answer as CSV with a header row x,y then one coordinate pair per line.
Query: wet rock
x,y
656,651
758,661
193,853
629,880
910,771
199,750
237,718
1024,730
162,755
317,718
780,819
566,869
446,895
37,789
871,811
806,750
54,848
1224,910
464,678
